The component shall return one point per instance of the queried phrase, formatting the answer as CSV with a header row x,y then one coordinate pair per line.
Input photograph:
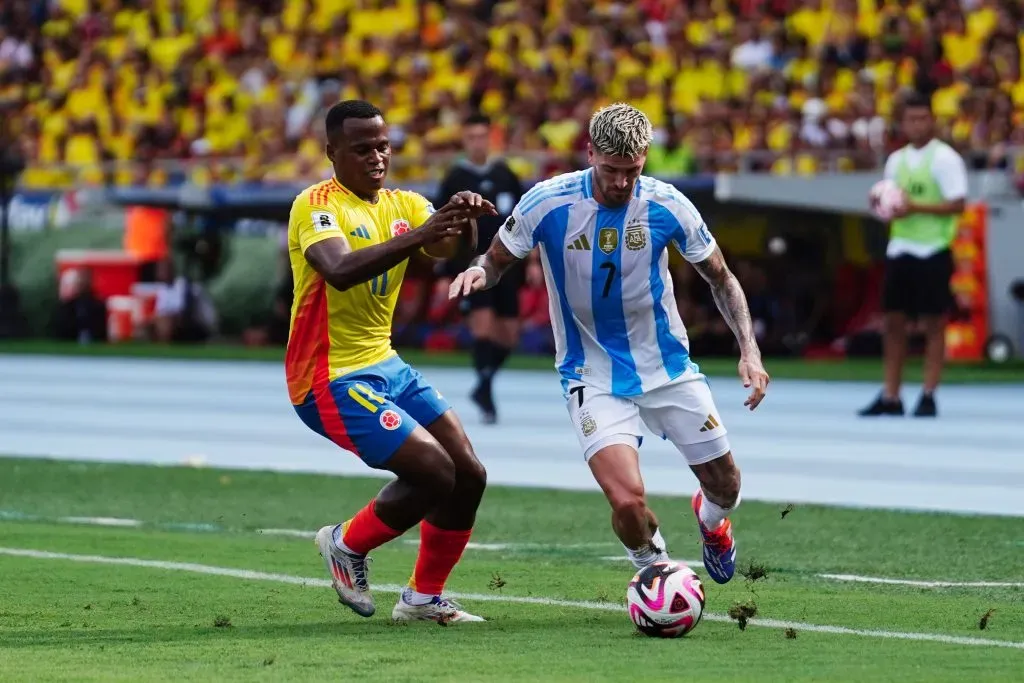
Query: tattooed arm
x,y
732,303
483,271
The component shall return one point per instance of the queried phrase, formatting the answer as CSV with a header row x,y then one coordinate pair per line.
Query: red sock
x,y
440,551
365,531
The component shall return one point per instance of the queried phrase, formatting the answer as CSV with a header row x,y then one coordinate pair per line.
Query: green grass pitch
x,y
81,613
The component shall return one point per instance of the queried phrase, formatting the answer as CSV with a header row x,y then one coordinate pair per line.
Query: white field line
x,y
296,533
922,584
101,521
301,533
472,545
549,602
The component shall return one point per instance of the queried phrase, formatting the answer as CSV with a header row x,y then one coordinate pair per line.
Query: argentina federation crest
x,y
588,425
636,237
608,240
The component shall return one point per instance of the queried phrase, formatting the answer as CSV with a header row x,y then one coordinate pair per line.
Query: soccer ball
x,y
665,599
886,197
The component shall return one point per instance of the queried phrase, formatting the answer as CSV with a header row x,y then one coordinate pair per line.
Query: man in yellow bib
x,y
919,263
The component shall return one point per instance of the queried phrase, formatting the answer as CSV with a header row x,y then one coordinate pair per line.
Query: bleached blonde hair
x,y
620,130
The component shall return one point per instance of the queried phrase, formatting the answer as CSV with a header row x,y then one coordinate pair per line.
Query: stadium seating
x,y
115,91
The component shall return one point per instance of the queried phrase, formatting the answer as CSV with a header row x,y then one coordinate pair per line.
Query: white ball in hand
x,y
886,198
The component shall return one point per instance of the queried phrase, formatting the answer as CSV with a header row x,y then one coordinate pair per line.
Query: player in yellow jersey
x,y
349,241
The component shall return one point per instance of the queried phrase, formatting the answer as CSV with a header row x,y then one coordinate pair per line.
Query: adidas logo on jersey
x,y
709,424
362,232
581,244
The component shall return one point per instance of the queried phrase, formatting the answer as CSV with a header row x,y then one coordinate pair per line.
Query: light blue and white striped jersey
x,y
613,312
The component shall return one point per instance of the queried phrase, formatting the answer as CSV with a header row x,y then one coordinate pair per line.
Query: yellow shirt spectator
x,y
981,21
43,178
803,164
1017,93
961,50
743,138
810,23
881,70
81,150
166,51
700,33
652,104
281,47
391,21
686,91
560,135
946,101
779,136
800,70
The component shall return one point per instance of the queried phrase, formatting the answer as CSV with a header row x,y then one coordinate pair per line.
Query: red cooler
x,y
113,271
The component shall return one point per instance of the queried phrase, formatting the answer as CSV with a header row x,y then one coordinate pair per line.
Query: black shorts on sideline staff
x,y
918,286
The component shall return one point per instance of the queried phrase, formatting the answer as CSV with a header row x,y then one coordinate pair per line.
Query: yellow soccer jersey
x,y
333,333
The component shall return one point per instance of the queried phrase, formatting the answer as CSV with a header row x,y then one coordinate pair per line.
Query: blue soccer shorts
x,y
372,411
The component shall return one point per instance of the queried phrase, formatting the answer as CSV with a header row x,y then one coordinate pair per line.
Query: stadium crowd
x,y
781,86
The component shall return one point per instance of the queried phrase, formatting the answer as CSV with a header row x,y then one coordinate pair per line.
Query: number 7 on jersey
x,y
609,278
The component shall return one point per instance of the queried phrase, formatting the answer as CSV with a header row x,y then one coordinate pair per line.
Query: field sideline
x,y
859,369
129,572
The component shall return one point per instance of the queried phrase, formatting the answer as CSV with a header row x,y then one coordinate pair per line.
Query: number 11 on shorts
x,y
363,395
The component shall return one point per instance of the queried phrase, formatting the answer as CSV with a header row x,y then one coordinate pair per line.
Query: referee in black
x,y
493,313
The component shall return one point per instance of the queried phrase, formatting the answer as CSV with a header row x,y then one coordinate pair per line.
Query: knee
x,y
470,474
628,504
439,475
894,323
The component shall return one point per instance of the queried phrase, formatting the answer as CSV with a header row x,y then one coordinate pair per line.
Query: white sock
x,y
658,541
646,556
340,544
411,597
712,515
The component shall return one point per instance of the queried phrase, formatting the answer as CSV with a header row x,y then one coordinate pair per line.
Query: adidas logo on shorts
x,y
709,424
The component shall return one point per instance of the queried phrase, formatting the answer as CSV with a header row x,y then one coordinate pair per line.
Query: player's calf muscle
x,y
459,510
630,520
426,478
720,480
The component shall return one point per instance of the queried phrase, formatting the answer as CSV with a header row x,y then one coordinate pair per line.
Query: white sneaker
x,y
441,610
348,574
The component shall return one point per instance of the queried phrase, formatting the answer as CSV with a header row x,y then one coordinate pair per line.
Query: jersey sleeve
x,y
419,207
890,166
311,224
689,233
950,173
516,233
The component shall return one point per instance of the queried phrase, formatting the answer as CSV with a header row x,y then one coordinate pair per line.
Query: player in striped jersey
x,y
349,241
603,235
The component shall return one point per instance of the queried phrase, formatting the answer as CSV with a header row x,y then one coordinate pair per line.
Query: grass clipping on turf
x,y
742,612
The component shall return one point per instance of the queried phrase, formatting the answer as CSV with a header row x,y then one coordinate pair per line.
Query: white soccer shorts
x,y
681,411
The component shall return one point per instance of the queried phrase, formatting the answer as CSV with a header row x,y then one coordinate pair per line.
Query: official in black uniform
x,y
493,313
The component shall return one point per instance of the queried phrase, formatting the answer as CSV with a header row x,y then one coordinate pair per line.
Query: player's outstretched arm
x,y
732,303
483,271
344,268
452,247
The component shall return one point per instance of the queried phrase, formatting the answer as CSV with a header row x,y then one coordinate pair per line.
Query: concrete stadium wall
x,y
847,194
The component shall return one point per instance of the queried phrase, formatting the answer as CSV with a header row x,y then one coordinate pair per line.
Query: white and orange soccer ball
x,y
665,600
886,198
